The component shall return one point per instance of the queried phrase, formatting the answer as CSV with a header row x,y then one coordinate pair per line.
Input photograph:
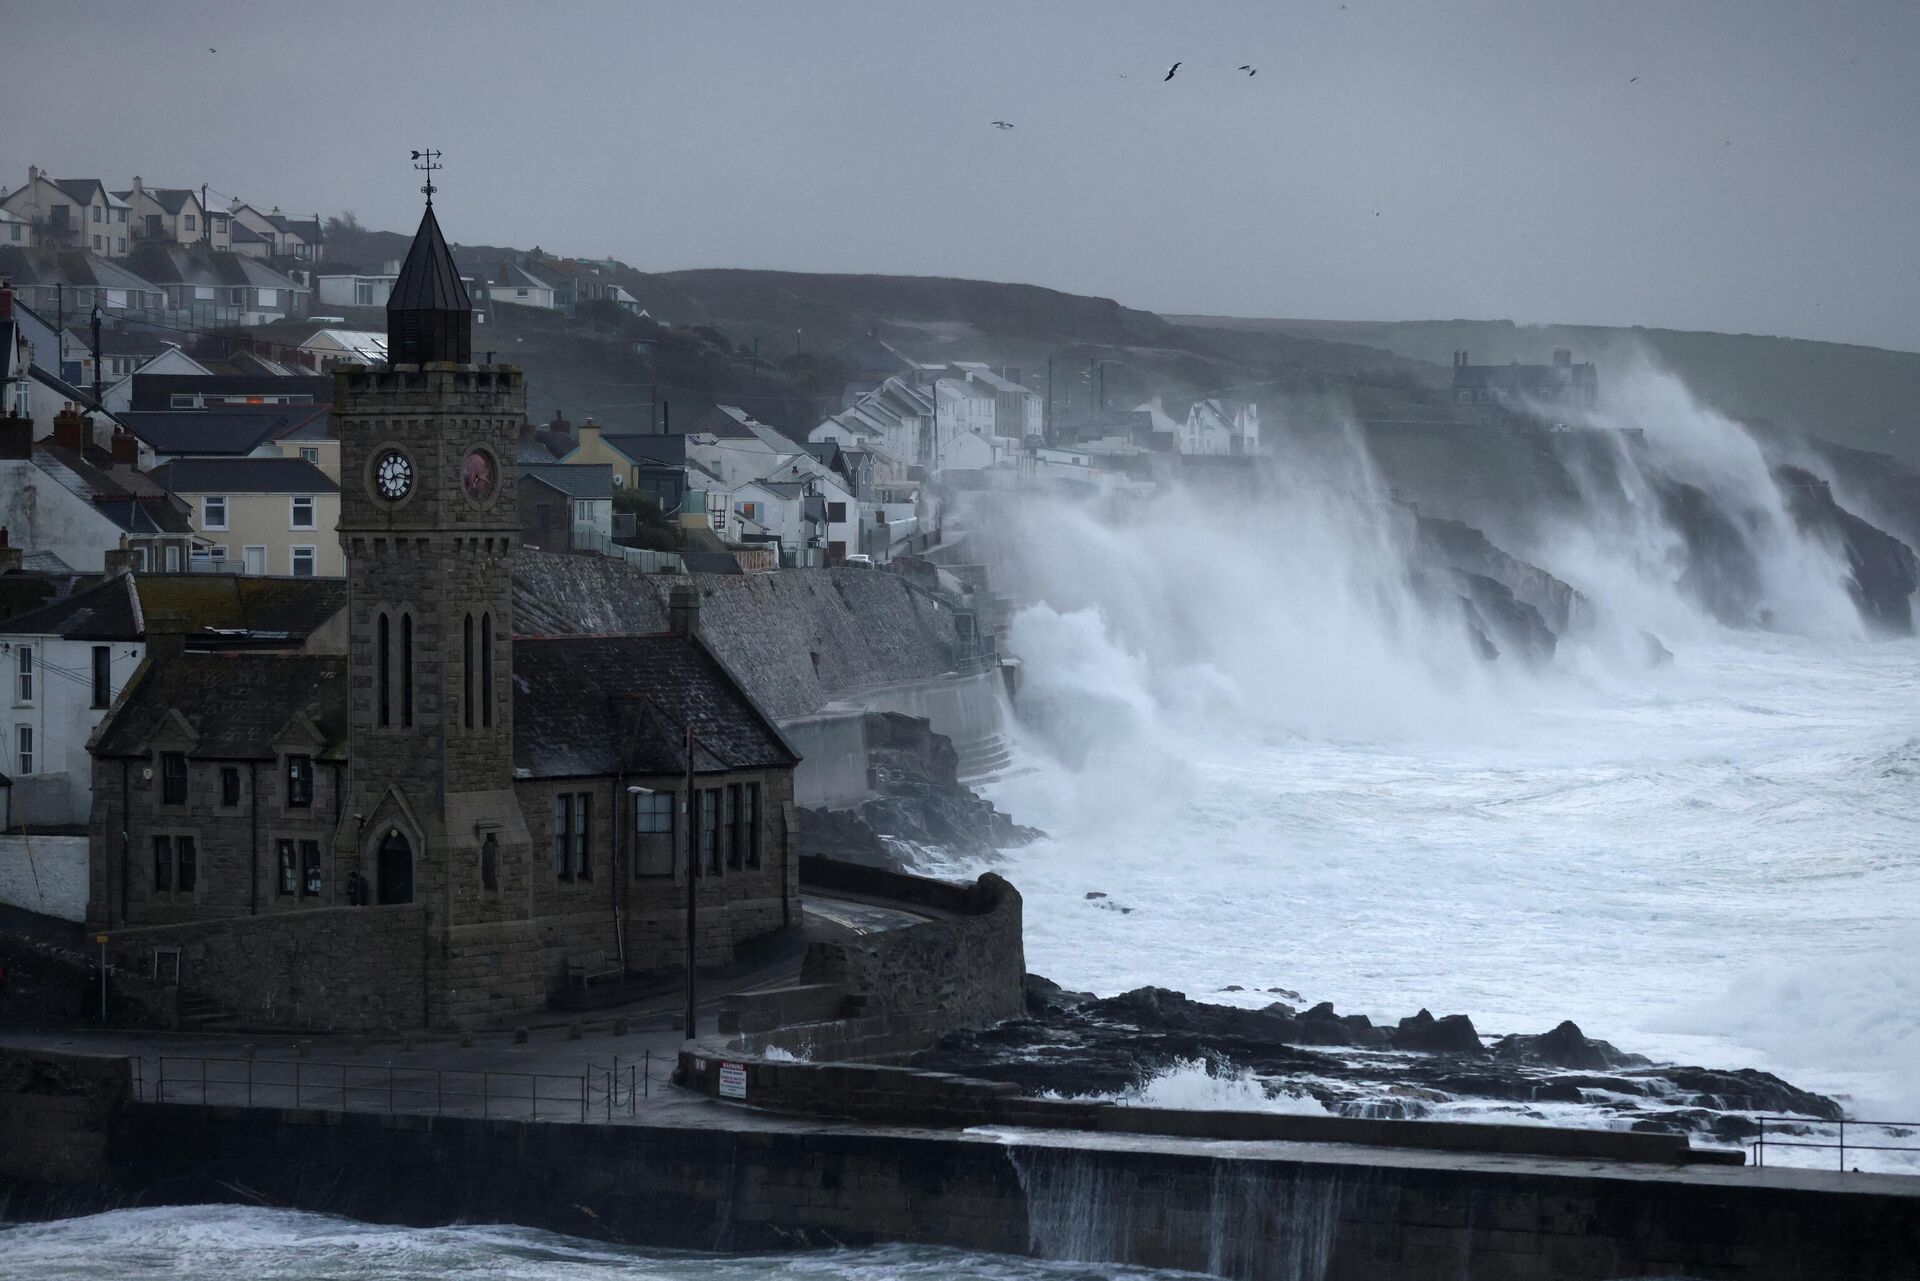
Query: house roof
x,y
235,703
156,391
83,190
245,476
105,611
428,279
366,344
243,234
124,496
669,449
171,199
44,268
237,431
228,607
584,481
587,705
166,264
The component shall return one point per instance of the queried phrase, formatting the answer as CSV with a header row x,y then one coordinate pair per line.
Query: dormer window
x,y
173,778
299,782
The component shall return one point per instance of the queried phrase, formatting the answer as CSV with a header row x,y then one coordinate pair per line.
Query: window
x,y
289,870
310,860
213,511
238,297
23,664
191,225
383,663
122,242
310,454
173,778
176,864
730,821
710,829
654,850
302,514
486,669
406,669
96,213
188,400
300,782
490,863
269,297
583,835
96,239
173,558
563,836
26,749
301,561
229,786
363,295
466,673
14,231
750,822
122,215
836,512
102,675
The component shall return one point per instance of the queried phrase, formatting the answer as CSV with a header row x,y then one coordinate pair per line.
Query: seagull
x,y
1001,124
1170,70
1631,79
1249,70
211,49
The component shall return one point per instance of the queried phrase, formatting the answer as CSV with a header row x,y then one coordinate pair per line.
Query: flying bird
x,y
1631,79
211,49
1249,70
1001,124
1170,70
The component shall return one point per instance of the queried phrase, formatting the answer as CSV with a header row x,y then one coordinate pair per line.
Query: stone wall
x,y
334,968
45,874
967,968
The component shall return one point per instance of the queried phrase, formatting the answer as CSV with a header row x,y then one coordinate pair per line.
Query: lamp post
x,y
693,871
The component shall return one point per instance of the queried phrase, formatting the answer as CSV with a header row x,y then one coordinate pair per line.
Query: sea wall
x,y
45,874
1236,1210
333,968
833,758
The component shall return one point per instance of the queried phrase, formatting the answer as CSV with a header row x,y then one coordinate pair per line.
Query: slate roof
x,y
226,608
236,703
243,234
215,431
584,481
248,476
71,267
124,496
83,190
216,268
669,449
428,280
171,199
587,705
106,611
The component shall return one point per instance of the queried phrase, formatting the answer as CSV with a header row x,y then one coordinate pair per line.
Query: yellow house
x,y
314,441
276,516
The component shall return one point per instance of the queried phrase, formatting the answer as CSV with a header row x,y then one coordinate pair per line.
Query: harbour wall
x,y
70,1143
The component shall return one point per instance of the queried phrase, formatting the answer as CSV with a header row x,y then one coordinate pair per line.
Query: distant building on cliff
x,y
1561,383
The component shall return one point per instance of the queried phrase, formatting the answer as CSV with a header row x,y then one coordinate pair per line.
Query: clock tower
x,y
429,523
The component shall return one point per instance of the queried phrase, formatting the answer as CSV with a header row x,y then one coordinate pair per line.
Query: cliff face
x,y
797,639
1884,568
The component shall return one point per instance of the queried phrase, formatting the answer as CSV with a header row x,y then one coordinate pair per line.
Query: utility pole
x,y
1046,431
206,222
693,872
96,357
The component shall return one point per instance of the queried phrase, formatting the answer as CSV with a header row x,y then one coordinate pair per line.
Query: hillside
x,y
1864,398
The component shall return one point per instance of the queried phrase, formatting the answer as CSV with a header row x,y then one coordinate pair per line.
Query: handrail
x,y
1802,1125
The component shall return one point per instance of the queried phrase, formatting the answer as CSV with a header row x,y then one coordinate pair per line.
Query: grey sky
x,y
1759,176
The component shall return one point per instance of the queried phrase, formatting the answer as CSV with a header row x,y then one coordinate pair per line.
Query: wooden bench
x,y
590,966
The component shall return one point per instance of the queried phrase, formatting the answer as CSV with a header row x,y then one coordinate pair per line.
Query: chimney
x,y
683,611
11,557
16,437
118,560
166,634
126,447
70,427
33,174
1562,356
6,298
589,432
137,188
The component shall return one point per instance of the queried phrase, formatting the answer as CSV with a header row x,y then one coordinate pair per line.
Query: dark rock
x,y
1883,568
1503,620
1453,1034
1468,551
1233,987
844,835
1745,1090
1095,894
1565,1047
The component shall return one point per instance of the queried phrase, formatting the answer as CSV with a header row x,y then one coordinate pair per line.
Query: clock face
x,y
477,476
393,475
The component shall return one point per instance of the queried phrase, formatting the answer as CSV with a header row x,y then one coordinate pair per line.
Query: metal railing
x,y
611,1091
1805,1132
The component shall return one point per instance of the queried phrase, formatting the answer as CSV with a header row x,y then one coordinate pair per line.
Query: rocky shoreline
x,y
1074,1044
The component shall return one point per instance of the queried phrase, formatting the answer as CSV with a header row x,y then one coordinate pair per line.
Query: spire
x,y
428,315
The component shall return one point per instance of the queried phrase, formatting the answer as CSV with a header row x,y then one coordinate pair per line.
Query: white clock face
x,y
393,475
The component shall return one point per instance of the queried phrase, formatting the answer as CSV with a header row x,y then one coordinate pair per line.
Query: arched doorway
x,y
396,869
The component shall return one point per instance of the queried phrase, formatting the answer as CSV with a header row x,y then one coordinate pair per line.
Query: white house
x,y
1021,410
330,347
72,213
1221,427
16,230
733,445
63,664
119,397
170,215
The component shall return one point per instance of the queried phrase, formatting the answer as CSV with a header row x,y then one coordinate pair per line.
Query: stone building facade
x,y
524,799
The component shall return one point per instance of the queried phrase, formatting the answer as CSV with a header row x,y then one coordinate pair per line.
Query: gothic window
x,y
730,821
300,782
102,675
710,829
563,836
490,863
229,786
583,835
310,860
384,659
173,778
486,670
655,851
289,872
406,670
466,672
750,822
176,864
163,864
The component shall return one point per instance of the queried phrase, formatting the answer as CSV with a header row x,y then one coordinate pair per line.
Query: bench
x,y
591,966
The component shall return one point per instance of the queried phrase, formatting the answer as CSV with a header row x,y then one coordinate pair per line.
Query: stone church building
x,y
448,822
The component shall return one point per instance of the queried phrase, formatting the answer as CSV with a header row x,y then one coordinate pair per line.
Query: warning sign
x,y
733,1080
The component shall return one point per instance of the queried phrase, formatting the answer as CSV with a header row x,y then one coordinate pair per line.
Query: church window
x,y
300,782
229,786
563,836
730,817
655,852
289,870
490,863
466,673
406,670
173,778
176,864
750,822
583,835
310,861
163,863
486,670
383,659
710,829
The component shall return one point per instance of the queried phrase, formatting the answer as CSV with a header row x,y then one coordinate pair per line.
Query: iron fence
x,y
612,1091
1803,1132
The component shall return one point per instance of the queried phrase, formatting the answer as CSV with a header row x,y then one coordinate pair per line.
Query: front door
x,y
396,869
255,559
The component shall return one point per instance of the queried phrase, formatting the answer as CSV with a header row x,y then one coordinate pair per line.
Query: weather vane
x,y
428,161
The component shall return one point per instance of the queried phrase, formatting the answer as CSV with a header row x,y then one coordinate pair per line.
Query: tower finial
x,y
427,161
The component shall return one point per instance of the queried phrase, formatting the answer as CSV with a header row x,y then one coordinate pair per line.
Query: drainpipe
x,y
126,799
253,814
619,869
